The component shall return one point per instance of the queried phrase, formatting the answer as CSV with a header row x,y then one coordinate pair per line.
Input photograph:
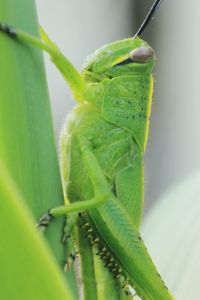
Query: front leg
x,y
66,209
69,72
68,241
73,210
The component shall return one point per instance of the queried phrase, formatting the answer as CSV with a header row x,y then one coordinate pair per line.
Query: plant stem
x,y
26,134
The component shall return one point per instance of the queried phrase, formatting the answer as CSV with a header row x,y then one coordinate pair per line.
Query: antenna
x,y
149,17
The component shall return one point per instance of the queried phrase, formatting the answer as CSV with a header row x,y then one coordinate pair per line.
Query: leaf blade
x,y
28,269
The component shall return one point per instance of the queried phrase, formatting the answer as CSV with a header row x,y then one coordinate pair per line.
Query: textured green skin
x,y
113,122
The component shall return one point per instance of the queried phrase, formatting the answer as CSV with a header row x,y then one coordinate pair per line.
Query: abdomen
x,y
117,154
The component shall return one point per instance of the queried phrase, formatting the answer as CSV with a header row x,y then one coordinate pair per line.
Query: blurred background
x,y
80,27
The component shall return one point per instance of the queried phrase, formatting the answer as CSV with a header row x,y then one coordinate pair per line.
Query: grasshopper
x,y
102,144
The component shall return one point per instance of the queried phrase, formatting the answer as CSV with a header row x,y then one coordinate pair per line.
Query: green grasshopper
x,y
102,146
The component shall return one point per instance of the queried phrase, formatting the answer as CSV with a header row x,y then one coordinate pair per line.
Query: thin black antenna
x,y
149,17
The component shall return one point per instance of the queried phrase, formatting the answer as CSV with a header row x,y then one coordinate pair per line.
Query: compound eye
x,y
142,54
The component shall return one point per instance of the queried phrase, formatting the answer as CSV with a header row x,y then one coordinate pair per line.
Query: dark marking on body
x,y
8,30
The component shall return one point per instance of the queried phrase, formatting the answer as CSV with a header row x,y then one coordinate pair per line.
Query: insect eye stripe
x,y
124,62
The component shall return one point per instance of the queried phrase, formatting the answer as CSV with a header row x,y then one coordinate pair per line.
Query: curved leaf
x,y
171,231
28,269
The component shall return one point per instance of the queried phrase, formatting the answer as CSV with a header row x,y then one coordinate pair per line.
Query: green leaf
x,y
171,232
28,269
27,141
26,133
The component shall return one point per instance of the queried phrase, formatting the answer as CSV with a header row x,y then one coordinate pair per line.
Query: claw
x,y
70,260
44,221
65,238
